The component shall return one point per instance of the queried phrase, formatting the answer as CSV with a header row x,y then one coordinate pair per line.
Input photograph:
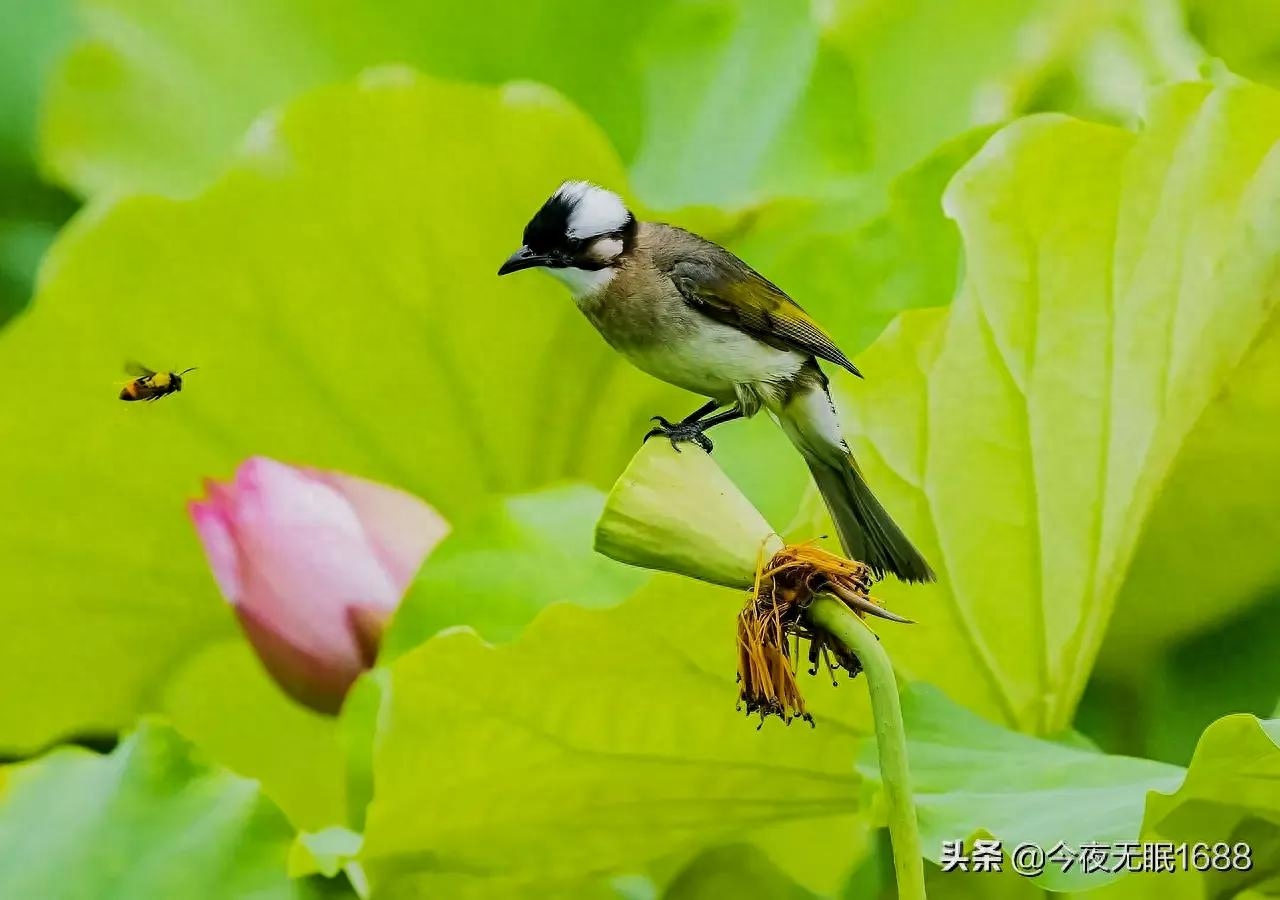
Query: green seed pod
x,y
678,512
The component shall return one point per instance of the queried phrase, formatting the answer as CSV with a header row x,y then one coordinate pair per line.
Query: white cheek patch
x,y
605,250
595,210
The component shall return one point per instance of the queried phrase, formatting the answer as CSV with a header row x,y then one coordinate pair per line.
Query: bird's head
x,y
579,235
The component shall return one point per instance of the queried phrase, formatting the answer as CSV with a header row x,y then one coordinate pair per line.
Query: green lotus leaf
x,y
751,99
157,95
1231,521
1244,33
1116,320
571,749
30,214
855,274
1231,797
670,82
150,820
738,870
336,288
972,777
1161,710
363,715
1096,59
726,102
496,571
122,114
31,36
690,91
222,700
744,99
1003,885
598,742
925,70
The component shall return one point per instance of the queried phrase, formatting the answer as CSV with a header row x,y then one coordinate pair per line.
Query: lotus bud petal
x,y
314,563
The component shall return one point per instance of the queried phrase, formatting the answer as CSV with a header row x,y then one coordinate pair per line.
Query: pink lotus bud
x,y
314,563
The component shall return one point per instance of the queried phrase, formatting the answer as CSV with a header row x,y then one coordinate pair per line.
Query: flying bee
x,y
149,385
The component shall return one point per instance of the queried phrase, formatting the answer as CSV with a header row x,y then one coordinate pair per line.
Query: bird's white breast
x,y
710,358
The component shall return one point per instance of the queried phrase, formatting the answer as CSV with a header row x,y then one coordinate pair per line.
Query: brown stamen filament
x,y
784,587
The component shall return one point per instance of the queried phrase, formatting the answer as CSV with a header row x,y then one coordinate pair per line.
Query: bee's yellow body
x,y
151,385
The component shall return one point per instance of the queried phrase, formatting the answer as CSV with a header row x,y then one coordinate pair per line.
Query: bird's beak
x,y
524,258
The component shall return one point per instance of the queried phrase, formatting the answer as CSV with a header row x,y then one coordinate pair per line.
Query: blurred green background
x,y
1048,230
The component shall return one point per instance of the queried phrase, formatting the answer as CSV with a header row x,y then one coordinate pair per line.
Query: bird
x,y
691,313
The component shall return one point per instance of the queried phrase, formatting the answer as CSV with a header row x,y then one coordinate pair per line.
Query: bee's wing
x,y
133,367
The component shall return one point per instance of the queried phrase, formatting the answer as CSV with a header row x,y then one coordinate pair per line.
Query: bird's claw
x,y
679,433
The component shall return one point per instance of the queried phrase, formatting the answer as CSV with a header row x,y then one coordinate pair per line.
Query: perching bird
x,y
692,314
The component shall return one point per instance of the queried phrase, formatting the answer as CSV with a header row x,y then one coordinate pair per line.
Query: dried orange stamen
x,y
783,588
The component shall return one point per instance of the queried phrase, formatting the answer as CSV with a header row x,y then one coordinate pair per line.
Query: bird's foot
x,y
679,433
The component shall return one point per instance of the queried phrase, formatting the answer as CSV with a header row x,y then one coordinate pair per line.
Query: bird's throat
x,y
583,283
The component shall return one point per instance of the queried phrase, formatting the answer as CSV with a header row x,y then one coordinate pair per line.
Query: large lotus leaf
x,y
744,99
1118,310
716,101
738,870
1222,366
31,213
158,94
154,97
710,101
598,771
337,290
600,741
855,274
928,67
1003,885
1208,526
1244,33
495,572
1160,708
971,777
1096,59
223,700
1231,796
31,35
1235,666
150,820
757,98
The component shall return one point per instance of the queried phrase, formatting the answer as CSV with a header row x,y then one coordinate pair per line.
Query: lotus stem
x,y
834,617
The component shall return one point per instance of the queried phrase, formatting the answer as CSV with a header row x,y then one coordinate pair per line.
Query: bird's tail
x,y
866,531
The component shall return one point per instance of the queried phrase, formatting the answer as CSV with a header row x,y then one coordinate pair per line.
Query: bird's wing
x,y
715,282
